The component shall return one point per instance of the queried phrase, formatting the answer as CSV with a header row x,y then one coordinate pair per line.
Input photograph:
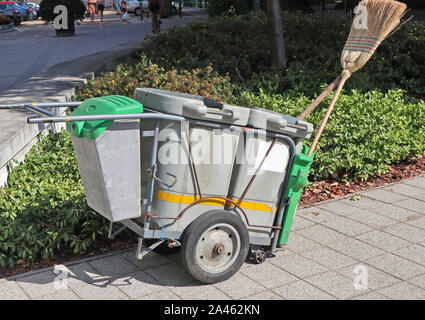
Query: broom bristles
x,y
383,17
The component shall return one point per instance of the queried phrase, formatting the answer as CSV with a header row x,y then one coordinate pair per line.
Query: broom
x,y
383,18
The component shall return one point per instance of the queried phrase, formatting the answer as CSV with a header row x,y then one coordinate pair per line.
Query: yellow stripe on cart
x,y
178,198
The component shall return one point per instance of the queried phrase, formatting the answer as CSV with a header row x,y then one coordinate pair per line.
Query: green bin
x,y
297,181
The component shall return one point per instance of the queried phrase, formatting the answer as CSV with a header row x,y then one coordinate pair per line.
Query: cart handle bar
x,y
42,105
128,116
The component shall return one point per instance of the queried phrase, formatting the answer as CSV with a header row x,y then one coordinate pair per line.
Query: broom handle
x,y
328,113
319,99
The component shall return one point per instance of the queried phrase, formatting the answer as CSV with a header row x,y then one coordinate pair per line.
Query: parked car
x,y
24,10
133,6
36,9
12,13
29,11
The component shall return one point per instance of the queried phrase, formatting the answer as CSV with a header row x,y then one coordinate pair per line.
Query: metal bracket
x,y
113,235
140,253
164,183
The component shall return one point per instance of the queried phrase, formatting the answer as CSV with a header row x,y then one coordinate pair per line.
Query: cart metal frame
x,y
142,230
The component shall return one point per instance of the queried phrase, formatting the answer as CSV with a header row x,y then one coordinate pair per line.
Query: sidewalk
x,y
382,234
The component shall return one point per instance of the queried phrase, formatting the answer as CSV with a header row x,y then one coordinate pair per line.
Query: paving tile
x,y
376,279
347,226
415,253
418,222
385,195
412,204
269,275
383,209
383,240
137,284
198,291
60,295
363,203
266,295
301,223
403,291
316,214
340,208
335,284
80,274
418,281
112,266
9,290
321,234
94,292
418,182
298,243
302,290
239,286
298,265
372,219
405,189
42,284
151,260
329,258
356,249
396,266
162,295
406,232
371,296
170,274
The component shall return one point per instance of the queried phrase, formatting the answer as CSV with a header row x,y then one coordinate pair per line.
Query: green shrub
x,y
239,46
127,77
43,210
365,134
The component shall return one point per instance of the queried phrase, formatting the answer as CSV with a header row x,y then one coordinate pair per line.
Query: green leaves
x,y
44,205
365,133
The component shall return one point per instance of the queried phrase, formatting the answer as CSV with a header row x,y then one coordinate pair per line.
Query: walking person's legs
x,y
101,7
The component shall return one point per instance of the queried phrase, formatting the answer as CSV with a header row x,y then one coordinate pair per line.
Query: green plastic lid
x,y
97,106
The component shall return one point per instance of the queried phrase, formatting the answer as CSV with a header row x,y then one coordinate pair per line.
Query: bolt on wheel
x,y
218,248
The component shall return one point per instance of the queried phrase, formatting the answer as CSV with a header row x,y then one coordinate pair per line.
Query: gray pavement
x,y
35,48
373,248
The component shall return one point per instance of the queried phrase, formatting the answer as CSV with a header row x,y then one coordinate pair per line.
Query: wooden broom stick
x,y
320,98
344,76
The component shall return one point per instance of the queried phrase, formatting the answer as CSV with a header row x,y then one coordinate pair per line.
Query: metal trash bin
x,y
260,174
108,156
210,125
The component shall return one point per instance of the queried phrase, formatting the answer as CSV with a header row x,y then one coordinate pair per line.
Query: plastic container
x,y
213,151
262,199
108,156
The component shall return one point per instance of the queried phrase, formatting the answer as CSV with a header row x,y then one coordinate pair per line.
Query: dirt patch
x,y
326,190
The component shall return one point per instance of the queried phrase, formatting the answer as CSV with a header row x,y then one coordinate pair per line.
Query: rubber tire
x,y
195,230
163,248
137,12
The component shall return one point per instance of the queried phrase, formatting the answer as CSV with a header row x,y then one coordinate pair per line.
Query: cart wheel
x,y
259,256
215,246
163,249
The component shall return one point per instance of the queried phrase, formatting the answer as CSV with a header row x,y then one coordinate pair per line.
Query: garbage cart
x,y
218,182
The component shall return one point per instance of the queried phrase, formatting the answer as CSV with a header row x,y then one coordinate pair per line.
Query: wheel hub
x,y
218,248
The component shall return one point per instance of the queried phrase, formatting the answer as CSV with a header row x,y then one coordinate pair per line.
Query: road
x,y
34,47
